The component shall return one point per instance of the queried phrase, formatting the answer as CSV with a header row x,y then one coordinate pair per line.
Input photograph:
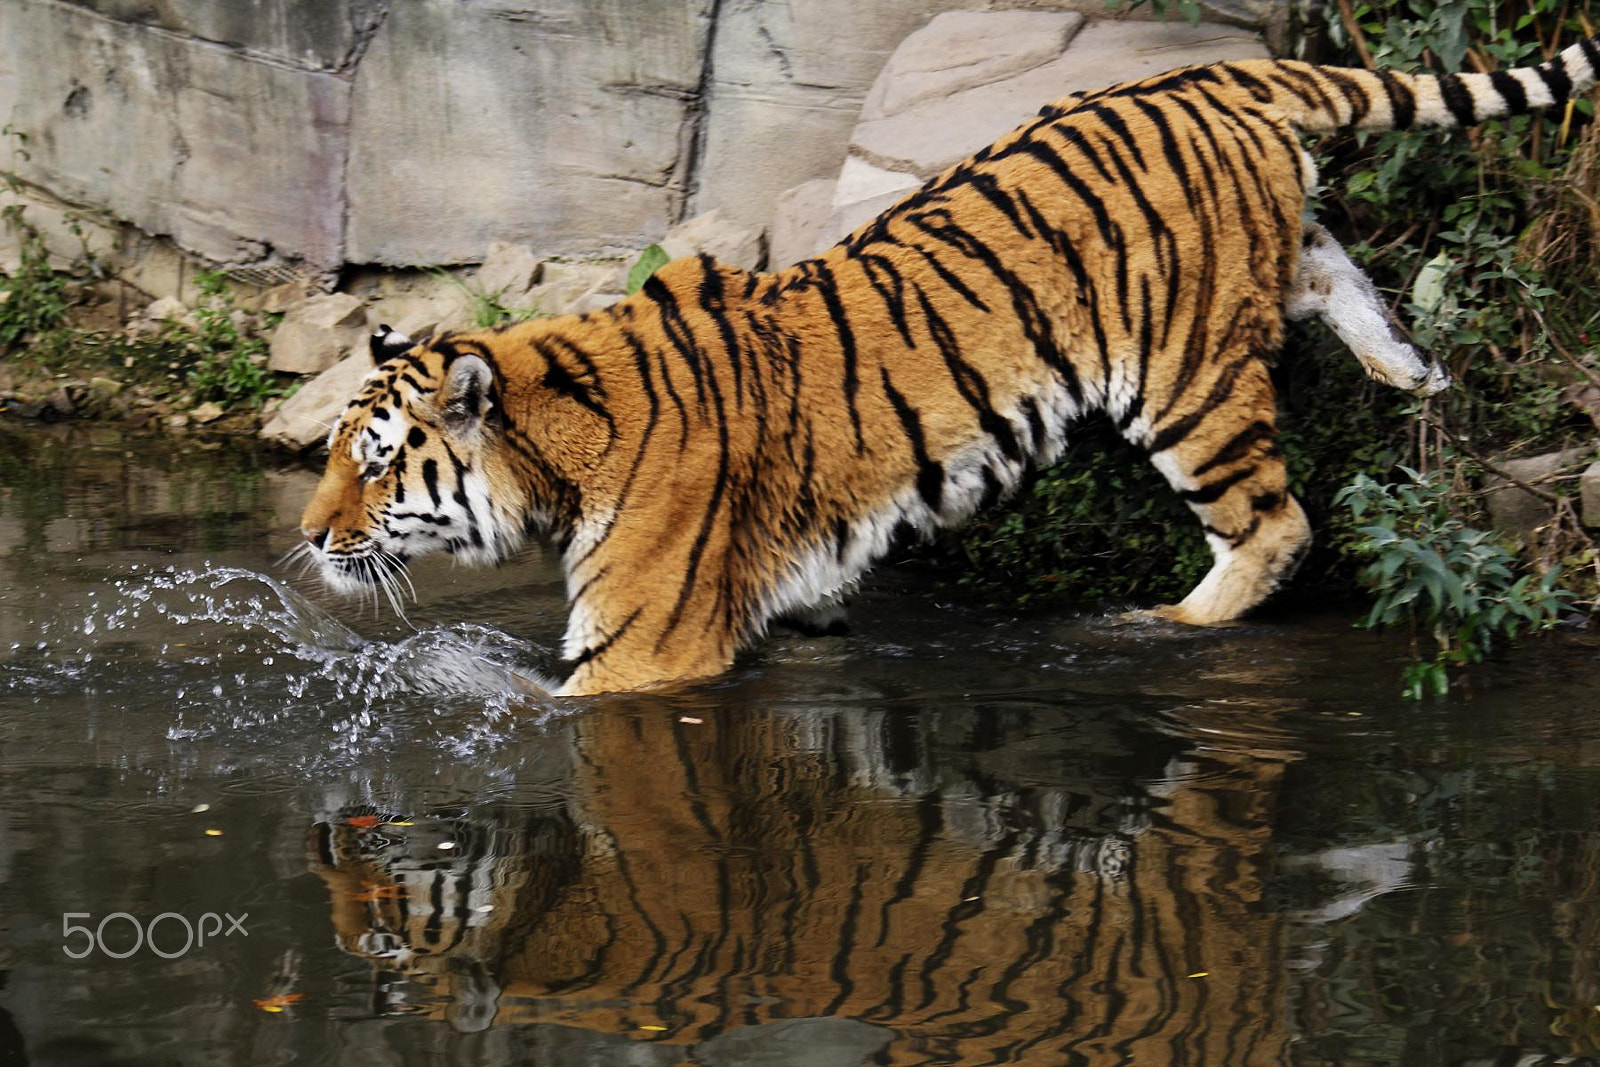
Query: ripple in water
x,y
228,649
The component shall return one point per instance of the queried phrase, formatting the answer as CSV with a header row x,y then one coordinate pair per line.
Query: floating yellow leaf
x,y
651,1026
213,833
1200,974
279,1001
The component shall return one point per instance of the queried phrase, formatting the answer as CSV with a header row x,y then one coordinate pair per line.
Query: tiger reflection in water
x,y
927,882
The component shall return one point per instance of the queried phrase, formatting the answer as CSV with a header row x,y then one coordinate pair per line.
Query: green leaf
x,y
650,260
1428,291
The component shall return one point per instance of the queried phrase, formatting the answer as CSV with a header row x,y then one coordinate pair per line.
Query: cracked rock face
x,y
547,123
325,133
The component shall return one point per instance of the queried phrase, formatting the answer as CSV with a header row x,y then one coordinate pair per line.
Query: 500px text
x,y
208,925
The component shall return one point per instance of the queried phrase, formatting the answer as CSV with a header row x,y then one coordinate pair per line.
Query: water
x,y
958,836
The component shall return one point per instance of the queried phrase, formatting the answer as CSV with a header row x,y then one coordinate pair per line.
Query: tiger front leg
x,y
1229,469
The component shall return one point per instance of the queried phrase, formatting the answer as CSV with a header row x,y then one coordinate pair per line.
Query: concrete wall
x,y
409,132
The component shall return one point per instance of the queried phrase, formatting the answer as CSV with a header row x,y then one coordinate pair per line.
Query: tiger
x,y
726,447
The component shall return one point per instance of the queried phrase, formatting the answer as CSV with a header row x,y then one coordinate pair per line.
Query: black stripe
x,y
973,894
1076,138
1271,501
1402,101
678,332
1506,85
1355,93
1457,98
1136,405
430,478
847,348
990,190
839,968
641,363
1113,121
1555,76
1036,426
887,282
1035,324
1237,447
950,278
595,650
714,305
1062,245
1175,432
1207,494
1591,52
1161,83
969,382
1258,89
1048,156
1169,147
930,472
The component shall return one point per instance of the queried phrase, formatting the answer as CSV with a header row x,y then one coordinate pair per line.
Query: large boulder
x,y
1589,493
316,333
724,240
968,77
509,272
1516,512
571,288
305,418
786,81
798,221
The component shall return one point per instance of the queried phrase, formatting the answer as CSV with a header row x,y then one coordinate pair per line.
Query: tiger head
x,y
426,459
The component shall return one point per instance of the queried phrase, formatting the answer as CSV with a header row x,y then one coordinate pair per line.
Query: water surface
x,y
958,836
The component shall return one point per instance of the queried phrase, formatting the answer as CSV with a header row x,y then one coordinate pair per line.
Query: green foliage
x,y
650,260
1100,524
488,309
230,365
35,298
1163,9
1446,579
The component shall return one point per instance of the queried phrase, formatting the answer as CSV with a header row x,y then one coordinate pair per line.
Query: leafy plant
x,y
1189,9
231,366
34,299
1452,582
488,309
650,260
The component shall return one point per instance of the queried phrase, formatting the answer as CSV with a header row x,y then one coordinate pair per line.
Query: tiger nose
x,y
317,537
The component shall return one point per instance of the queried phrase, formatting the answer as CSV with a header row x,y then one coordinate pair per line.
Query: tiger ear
x,y
387,343
464,399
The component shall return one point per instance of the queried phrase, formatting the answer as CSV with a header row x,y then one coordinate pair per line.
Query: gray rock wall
x,y
411,132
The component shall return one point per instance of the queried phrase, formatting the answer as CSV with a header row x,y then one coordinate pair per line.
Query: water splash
x,y
232,651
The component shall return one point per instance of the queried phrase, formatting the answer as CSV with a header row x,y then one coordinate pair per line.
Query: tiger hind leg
x,y
1329,285
1229,469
